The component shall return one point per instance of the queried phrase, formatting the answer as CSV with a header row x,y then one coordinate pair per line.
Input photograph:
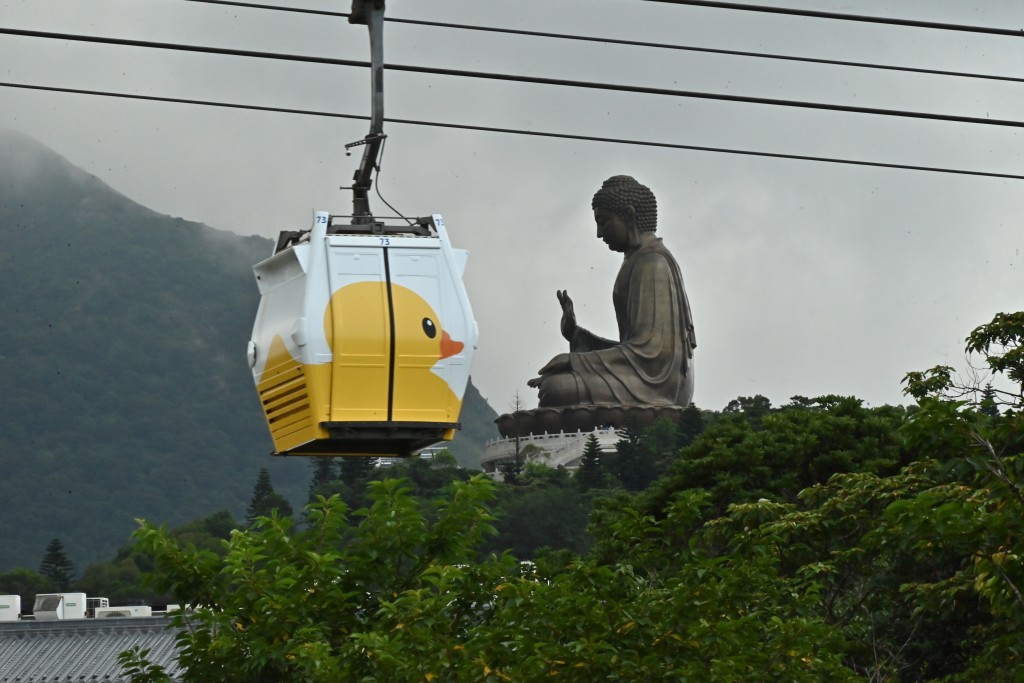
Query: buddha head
x,y
623,208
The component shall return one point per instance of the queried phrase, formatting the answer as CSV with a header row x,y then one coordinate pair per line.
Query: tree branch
x,y
999,471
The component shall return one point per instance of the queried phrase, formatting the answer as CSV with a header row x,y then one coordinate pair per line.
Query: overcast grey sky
x,y
805,278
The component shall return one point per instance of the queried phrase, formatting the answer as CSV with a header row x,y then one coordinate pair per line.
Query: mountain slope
x,y
125,389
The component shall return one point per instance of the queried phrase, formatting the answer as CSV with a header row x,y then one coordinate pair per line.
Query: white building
x,y
564,449
83,649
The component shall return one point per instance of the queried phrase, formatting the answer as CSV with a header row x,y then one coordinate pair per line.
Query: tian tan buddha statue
x,y
648,371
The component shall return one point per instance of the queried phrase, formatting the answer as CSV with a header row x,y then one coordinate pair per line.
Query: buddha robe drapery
x,y
652,363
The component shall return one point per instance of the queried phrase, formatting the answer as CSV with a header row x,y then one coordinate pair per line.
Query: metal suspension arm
x,y
371,13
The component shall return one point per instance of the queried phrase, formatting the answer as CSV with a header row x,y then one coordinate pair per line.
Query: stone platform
x,y
582,418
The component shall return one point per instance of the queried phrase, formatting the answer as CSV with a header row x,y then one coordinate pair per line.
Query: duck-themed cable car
x,y
363,339
364,335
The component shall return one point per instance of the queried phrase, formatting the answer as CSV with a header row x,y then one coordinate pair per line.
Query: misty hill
x,y
125,388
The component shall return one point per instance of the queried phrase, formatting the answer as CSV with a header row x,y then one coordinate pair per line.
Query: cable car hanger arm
x,y
370,13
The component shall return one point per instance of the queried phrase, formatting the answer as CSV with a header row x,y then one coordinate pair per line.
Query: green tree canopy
x,y
266,500
26,584
57,566
325,470
822,541
398,597
591,473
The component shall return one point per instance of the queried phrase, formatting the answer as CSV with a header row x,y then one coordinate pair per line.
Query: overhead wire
x,y
814,14
513,131
536,80
570,83
710,50
299,10
840,16
636,43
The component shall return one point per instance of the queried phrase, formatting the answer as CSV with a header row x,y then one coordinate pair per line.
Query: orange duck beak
x,y
449,347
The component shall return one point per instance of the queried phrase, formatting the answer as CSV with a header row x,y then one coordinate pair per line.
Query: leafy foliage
x,y
265,500
138,669
975,512
820,541
542,511
325,470
591,473
400,598
26,584
286,605
56,565
353,471
777,454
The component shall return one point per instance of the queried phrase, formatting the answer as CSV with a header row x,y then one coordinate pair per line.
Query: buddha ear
x,y
629,212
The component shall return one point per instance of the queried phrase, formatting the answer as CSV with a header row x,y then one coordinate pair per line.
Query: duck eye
x,y
429,328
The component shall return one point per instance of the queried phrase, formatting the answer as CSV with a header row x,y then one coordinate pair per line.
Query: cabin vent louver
x,y
286,401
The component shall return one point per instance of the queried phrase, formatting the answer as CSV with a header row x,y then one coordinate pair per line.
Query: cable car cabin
x,y
363,339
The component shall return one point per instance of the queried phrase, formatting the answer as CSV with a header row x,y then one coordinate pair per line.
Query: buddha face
x,y
615,230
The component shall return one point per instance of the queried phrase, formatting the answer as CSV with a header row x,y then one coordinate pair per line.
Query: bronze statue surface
x,y
648,371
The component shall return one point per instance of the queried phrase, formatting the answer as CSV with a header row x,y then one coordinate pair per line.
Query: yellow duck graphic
x,y
355,385
359,332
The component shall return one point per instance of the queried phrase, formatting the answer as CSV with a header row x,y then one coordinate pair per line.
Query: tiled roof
x,y
81,649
